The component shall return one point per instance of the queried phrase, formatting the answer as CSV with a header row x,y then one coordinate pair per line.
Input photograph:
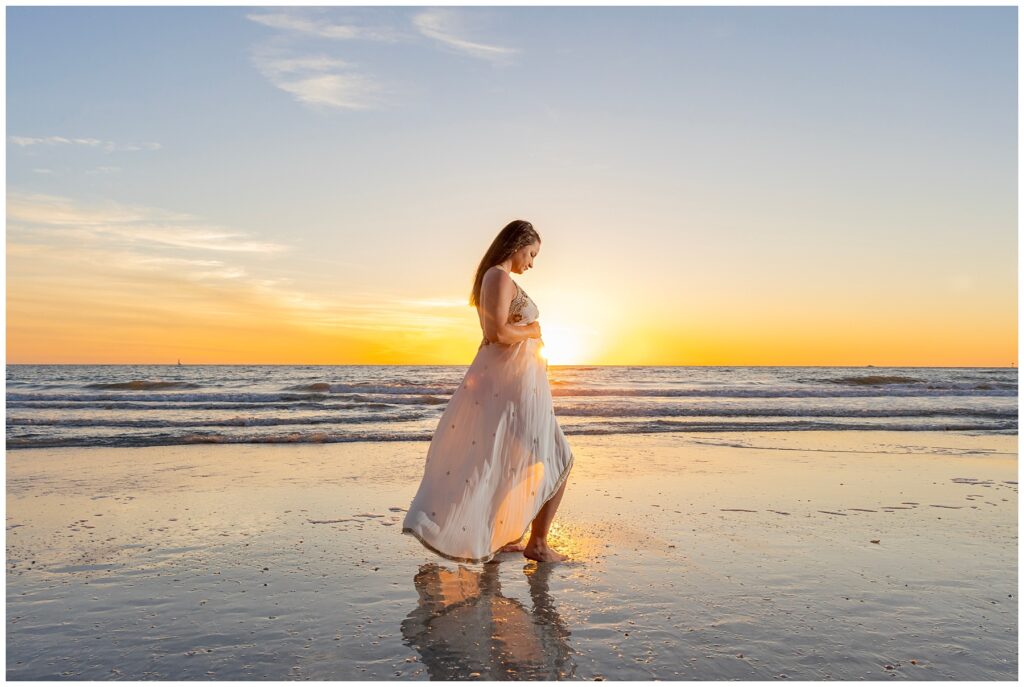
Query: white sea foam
x,y
106,405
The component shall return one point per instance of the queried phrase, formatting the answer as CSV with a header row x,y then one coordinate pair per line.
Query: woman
x,y
498,460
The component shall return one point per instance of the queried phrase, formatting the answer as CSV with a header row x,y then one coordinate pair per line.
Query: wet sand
x,y
782,555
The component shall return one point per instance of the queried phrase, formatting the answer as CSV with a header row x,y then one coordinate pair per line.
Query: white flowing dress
x,y
498,454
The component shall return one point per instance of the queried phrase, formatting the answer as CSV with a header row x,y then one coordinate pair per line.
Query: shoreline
x,y
568,428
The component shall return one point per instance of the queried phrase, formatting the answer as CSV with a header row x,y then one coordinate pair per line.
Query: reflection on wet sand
x,y
463,627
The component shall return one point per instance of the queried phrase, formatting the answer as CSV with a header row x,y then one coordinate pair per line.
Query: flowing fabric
x,y
498,454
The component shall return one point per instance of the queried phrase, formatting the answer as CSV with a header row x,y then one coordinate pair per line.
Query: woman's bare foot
x,y
542,553
511,548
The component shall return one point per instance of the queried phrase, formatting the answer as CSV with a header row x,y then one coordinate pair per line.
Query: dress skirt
x,y
497,456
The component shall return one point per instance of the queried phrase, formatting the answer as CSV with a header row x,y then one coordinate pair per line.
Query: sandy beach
x,y
797,555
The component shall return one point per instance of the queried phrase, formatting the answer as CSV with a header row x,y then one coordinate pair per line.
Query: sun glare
x,y
561,347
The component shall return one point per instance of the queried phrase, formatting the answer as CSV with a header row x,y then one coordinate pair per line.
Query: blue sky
x,y
737,161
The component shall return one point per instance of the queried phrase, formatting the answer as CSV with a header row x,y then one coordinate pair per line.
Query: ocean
x,y
150,405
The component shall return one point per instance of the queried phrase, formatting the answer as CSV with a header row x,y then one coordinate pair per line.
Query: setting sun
x,y
561,347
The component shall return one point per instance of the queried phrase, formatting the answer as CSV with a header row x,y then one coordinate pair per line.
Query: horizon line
x,y
923,367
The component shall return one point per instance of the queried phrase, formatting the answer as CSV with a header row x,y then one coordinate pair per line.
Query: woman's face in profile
x,y
522,259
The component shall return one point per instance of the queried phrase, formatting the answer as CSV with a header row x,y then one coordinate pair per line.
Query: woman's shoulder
x,y
496,275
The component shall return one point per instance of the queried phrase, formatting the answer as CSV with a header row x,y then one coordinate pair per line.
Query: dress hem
x,y
558,485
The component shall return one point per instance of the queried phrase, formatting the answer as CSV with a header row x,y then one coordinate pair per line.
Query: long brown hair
x,y
515,235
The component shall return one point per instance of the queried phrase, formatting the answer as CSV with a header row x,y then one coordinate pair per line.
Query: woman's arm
x,y
520,332
496,293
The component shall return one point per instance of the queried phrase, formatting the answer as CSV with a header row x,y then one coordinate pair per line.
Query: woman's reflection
x,y
464,628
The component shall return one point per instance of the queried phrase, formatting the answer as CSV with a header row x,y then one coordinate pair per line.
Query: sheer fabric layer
x,y
497,456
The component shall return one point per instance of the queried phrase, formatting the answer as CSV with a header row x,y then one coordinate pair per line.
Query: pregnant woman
x,y
498,460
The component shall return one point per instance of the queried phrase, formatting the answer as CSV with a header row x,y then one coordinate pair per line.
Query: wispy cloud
x,y
90,259
101,278
109,282
134,225
115,239
103,169
322,27
320,81
107,146
448,27
426,303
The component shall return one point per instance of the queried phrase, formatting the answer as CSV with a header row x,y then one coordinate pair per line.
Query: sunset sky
x,y
713,186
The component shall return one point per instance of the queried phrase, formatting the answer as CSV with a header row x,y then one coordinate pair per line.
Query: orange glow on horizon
x,y
82,339
83,311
